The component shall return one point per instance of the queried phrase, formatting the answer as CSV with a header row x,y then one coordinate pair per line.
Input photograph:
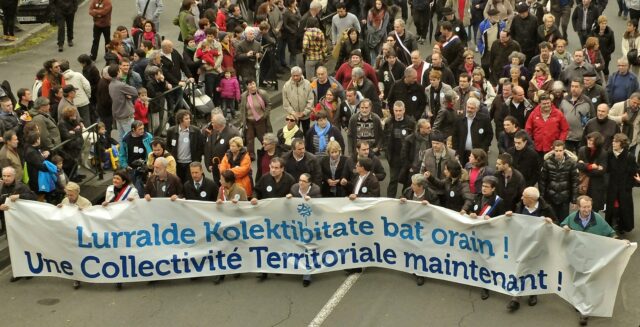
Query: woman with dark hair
x,y
478,168
455,185
115,51
34,158
631,41
137,27
122,34
71,130
121,189
149,33
352,42
229,189
55,96
187,19
92,74
330,104
592,164
516,60
606,40
623,174
378,20
290,21
53,77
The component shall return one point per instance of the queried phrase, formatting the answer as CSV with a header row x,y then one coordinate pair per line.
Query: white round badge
x,y
269,188
364,189
203,194
332,138
140,150
164,188
185,140
481,131
414,98
452,194
594,100
236,197
221,141
404,132
475,207
457,29
442,94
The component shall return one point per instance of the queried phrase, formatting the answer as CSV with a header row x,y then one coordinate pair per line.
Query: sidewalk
x,y
27,31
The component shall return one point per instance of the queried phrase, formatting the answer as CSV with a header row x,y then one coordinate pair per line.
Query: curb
x,y
25,37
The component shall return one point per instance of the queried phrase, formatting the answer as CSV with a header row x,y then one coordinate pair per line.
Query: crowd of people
x,y
566,128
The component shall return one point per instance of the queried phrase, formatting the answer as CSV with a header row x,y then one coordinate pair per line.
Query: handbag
x,y
583,184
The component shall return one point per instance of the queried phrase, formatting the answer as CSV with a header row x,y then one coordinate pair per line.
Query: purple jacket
x,y
230,88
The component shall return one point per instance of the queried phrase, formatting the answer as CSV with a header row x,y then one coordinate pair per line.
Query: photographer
x,y
134,150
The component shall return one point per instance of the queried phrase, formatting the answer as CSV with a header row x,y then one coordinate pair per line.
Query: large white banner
x,y
160,239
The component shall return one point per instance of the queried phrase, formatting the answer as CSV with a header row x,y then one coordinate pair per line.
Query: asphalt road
x,y
377,298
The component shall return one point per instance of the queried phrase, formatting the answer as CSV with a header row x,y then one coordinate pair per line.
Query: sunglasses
x,y
289,119
538,70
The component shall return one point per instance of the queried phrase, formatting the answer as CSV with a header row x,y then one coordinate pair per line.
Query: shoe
x,y
421,40
70,43
583,320
14,279
262,277
306,283
11,38
118,286
60,48
76,179
484,294
76,285
81,176
218,279
513,305
533,300
419,280
28,278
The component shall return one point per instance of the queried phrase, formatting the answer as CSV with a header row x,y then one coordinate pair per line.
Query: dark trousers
x,y
403,5
255,129
85,115
561,210
582,35
622,8
304,125
211,81
422,22
572,146
634,14
182,170
62,20
97,32
10,9
395,166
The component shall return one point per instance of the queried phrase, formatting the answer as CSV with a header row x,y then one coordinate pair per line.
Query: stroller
x,y
199,103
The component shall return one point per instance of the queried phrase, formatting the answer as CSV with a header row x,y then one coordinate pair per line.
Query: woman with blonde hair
x,y
237,160
541,81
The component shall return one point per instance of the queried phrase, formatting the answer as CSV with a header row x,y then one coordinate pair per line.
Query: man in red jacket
x,y
100,10
545,125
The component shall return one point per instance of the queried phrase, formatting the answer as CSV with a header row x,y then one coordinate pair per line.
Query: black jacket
x,y
621,171
453,50
196,142
555,67
412,153
208,191
412,95
64,6
511,192
173,186
456,193
496,205
597,178
578,14
154,90
481,134
607,41
172,68
325,167
559,180
309,164
389,77
350,168
394,134
267,187
526,161
370,187
522,30
543,210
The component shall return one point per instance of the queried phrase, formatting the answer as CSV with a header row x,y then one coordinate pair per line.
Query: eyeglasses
x,y
468,58
303,181
289,119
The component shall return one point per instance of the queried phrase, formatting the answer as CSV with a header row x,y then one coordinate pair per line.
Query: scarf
x,y
289,133
540,81
254,112
330,108
469,68
150,36
322,133
376,18
592,56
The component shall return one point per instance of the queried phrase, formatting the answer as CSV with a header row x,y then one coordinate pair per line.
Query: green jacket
x,y
187,24
597,225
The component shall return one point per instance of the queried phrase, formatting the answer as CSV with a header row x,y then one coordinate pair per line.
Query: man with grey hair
x,y
396,129
413,149
472,131
365,86
314,13
626,114
217,134
49,132
297,97
622,83
410,92
365,126
406,42
162,184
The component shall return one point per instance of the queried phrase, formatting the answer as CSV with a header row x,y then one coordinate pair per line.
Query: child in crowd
x,y
104,150
229,89
141,108
63,179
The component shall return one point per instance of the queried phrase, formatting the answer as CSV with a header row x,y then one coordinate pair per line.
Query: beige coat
x,y
615,114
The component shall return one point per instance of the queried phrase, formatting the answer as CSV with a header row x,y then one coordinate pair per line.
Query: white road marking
x,y
334,300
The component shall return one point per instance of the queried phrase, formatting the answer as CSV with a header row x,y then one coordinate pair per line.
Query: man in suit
x,y
365,184
217,135
185,143
200,187
473,131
